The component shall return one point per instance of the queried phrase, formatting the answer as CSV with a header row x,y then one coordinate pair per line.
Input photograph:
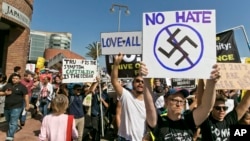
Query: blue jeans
x,y
11,116
44,107
22,118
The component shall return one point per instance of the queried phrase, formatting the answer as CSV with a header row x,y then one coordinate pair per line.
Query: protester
x,y
35,93
245,120
15,93
17,70
174,126
28,83
3,80
133,115
46,95
76,109
217,126
57,126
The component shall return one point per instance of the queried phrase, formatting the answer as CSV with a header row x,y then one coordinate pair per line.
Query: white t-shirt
x,y
133,117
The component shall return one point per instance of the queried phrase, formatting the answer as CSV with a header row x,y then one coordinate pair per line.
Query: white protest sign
x,y
30,67
125,42
179,44
77,70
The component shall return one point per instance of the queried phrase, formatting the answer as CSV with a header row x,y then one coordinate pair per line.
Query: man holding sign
x,y
173,126
133,116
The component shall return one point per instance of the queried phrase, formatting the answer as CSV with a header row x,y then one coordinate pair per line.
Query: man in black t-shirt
x,y
217,126
15,93
173,127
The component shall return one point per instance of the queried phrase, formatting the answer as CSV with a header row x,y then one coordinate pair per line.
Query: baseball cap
x,y
173,91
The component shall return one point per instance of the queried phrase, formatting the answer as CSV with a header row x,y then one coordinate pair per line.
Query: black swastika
x,y
177,46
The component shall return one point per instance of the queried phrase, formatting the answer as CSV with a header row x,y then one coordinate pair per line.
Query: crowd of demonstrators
x,y
138,110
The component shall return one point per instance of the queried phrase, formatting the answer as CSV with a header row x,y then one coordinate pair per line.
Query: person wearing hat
x,y
175,126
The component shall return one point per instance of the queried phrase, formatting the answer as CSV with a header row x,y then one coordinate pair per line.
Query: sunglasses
x,y
138,81
78,89
220,108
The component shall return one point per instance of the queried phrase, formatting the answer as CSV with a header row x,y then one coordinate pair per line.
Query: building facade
x,y
15,17
41,40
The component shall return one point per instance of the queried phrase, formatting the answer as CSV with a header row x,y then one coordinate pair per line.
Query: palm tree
x,y
93,50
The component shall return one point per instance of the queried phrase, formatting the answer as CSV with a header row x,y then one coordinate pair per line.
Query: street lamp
x,y
127,12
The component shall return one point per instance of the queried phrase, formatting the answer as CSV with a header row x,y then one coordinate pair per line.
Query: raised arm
x,y
200,91
208,98
151,115
243,105
114,74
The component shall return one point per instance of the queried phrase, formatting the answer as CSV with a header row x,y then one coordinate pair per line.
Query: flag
x,y
226,47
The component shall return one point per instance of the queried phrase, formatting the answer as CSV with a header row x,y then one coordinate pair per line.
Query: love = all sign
x,y
179,44
124,42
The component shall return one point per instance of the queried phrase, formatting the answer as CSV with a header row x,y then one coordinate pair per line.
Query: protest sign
x,y
77,70
226,47
234,76
128,67
124,42
179,44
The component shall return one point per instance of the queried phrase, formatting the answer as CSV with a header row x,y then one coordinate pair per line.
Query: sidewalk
x,y
29,132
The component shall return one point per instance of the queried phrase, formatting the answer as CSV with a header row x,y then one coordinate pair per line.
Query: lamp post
x,y
100,89
127,12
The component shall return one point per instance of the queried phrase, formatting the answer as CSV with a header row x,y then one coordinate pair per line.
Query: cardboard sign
x,y
125,42
179,44
77,70
234,76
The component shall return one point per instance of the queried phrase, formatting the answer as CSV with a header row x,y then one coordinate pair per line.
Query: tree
x,y
93,50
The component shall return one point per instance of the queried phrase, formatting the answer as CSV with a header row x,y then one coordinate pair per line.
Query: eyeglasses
x,y
175,101
138,81
219,108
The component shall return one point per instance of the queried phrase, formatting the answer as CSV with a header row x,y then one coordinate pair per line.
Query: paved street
x,y
28,133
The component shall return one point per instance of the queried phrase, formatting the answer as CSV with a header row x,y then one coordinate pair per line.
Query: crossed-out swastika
x,y
177,46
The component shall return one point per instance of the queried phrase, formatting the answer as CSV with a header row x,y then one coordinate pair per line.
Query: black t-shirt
x,y
213,130
169,130
16,99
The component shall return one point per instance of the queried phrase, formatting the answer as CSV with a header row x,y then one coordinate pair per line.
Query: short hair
x,y
17,68
76,86
4,77
220,97
15,74
59,104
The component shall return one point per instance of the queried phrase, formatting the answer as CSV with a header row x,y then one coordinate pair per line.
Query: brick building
x,y
15,17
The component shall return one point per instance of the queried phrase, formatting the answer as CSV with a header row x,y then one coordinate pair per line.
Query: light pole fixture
x,y
127,12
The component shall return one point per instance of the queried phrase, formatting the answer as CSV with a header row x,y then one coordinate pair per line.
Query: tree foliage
x,y
93,50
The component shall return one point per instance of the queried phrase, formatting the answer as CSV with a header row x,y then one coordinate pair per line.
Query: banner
x,y
127,68
78,70
226,47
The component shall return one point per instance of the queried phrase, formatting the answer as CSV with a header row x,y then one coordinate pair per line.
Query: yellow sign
x,y
40,63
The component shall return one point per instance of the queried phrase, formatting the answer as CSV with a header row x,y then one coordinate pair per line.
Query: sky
x,y
87,19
